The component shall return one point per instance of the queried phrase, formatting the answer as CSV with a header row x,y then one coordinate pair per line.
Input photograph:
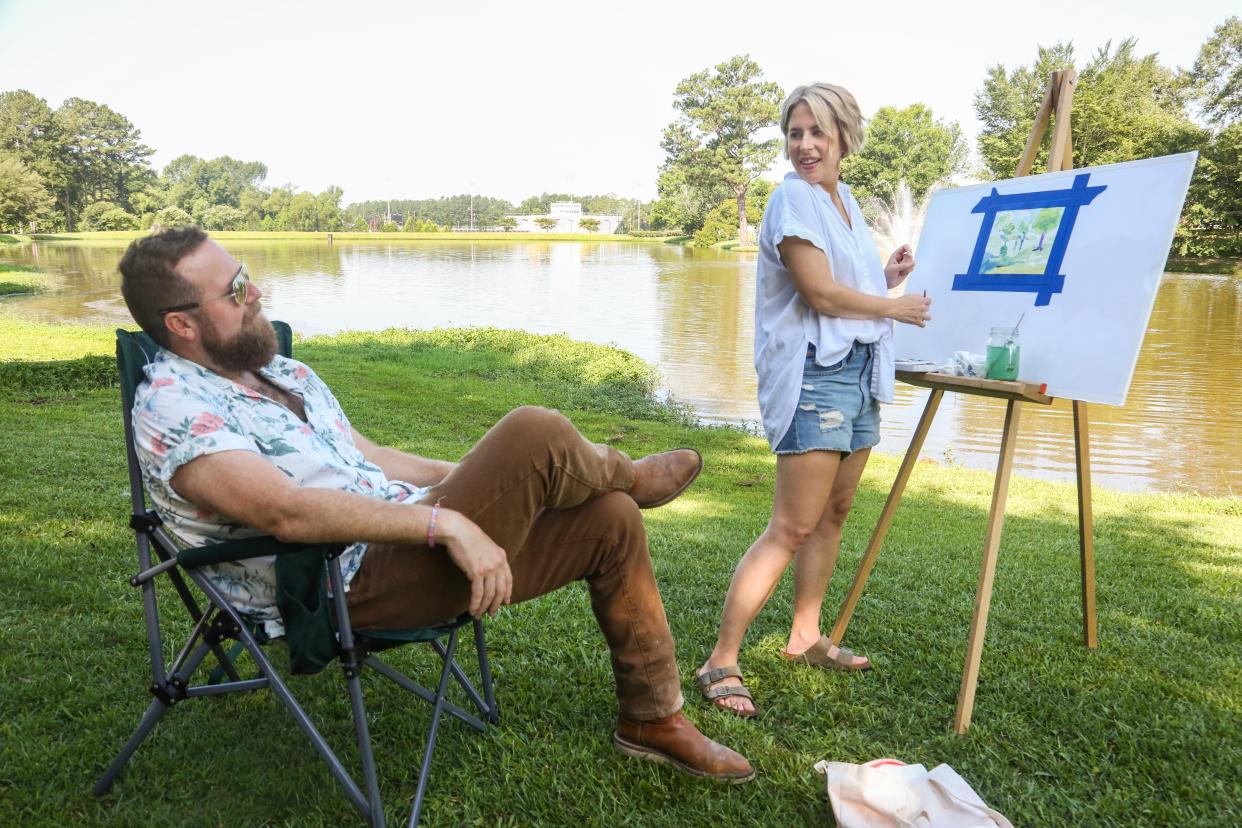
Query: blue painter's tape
x,y
1050,281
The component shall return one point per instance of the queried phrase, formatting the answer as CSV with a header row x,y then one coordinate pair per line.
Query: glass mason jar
x,y
1003,354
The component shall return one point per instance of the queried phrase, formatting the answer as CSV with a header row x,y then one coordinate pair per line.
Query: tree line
x,y
484,212
83,166
1126,106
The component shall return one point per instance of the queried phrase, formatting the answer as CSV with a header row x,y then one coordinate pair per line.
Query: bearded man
x,y
235,441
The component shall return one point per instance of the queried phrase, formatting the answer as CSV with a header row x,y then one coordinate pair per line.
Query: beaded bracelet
x,y
431,525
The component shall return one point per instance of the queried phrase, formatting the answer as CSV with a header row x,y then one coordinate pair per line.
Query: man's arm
x,y
398,465
246,489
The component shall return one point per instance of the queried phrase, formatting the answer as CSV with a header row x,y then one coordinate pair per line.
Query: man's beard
x,y
252,348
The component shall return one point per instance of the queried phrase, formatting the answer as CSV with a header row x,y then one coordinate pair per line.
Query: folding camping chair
x,y
315,635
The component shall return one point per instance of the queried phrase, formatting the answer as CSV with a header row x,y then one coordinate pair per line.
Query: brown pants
x,y
556,504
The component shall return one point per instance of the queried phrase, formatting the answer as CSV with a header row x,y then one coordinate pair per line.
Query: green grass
x,y
15,278
1143,731
1224,266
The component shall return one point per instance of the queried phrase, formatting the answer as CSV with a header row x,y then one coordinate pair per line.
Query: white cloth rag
x,y
886,793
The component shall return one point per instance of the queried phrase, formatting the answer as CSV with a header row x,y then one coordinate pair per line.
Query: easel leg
x,y
886,516
991,546
1086,525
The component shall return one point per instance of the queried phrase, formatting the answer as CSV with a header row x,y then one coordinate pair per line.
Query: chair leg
x,y
405,682
485,673
155,712
369,773
436,714
463,681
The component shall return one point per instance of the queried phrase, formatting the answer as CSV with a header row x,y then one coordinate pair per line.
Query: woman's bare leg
x,y
803,484
817,557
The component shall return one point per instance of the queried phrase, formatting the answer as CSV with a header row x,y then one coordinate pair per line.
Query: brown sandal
x,y
713,694
817,655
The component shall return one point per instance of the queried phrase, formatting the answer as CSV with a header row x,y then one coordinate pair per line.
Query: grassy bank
x,y
1223,266
1143,731
15,278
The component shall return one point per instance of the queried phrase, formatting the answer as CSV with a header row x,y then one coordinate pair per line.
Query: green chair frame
x,y
218,622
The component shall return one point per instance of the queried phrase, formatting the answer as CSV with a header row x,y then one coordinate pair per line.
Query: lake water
x,y
690,312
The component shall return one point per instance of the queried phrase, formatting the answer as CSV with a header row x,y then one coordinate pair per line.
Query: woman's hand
x,y
912,309
899,266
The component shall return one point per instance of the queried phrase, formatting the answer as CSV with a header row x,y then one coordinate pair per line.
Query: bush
x,y
104,215
173,217
222,217
116,219
670,233
1207,243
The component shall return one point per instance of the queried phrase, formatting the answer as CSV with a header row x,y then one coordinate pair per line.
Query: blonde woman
x,y
823,353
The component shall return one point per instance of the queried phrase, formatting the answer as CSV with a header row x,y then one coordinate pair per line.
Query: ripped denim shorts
x,y
835,410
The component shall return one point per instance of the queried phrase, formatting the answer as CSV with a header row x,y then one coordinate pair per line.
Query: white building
x,y
568,215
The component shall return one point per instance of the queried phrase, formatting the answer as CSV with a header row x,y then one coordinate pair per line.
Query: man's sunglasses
x,y
239,290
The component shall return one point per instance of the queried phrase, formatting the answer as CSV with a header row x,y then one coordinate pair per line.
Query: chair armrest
x,y
246,548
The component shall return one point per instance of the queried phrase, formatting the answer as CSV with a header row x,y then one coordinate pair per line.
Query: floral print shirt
x,y
184,411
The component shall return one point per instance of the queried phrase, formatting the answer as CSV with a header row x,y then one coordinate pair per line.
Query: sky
x,y
417,100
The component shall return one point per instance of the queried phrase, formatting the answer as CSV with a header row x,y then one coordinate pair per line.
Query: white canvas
x,y
1084,340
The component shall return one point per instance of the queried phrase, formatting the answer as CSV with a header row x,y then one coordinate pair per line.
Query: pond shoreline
x,y
1226,266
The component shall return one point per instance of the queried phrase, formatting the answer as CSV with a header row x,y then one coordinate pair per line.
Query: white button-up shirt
x,y
785,325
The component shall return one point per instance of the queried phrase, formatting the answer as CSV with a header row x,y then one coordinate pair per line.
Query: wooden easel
x,y
1056,104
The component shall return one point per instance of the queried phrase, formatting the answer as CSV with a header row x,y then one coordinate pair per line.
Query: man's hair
x,y
149,280
834,109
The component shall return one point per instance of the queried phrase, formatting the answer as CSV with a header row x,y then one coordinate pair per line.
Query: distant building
x,y
568,215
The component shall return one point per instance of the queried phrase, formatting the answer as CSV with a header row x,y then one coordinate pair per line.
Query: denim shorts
x,y
835,410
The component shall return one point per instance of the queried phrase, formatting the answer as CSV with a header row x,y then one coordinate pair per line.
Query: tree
x,y
681,206
104,215
28,132
103,154
713,142
589,224
721,223
222,217
195,184
450,211
23,198
1217,74
506,223
1212,218
173,217
1047,219
1125,107
546,222
905,144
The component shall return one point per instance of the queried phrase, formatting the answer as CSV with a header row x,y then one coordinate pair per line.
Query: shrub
x,y
222,217
173,216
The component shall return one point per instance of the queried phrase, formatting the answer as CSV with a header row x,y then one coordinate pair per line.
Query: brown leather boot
x,y
673,740
659,478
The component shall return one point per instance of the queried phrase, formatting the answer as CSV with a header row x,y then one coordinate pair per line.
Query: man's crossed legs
x,y
564,509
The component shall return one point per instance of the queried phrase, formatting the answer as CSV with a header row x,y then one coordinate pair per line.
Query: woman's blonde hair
x,y
835,111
